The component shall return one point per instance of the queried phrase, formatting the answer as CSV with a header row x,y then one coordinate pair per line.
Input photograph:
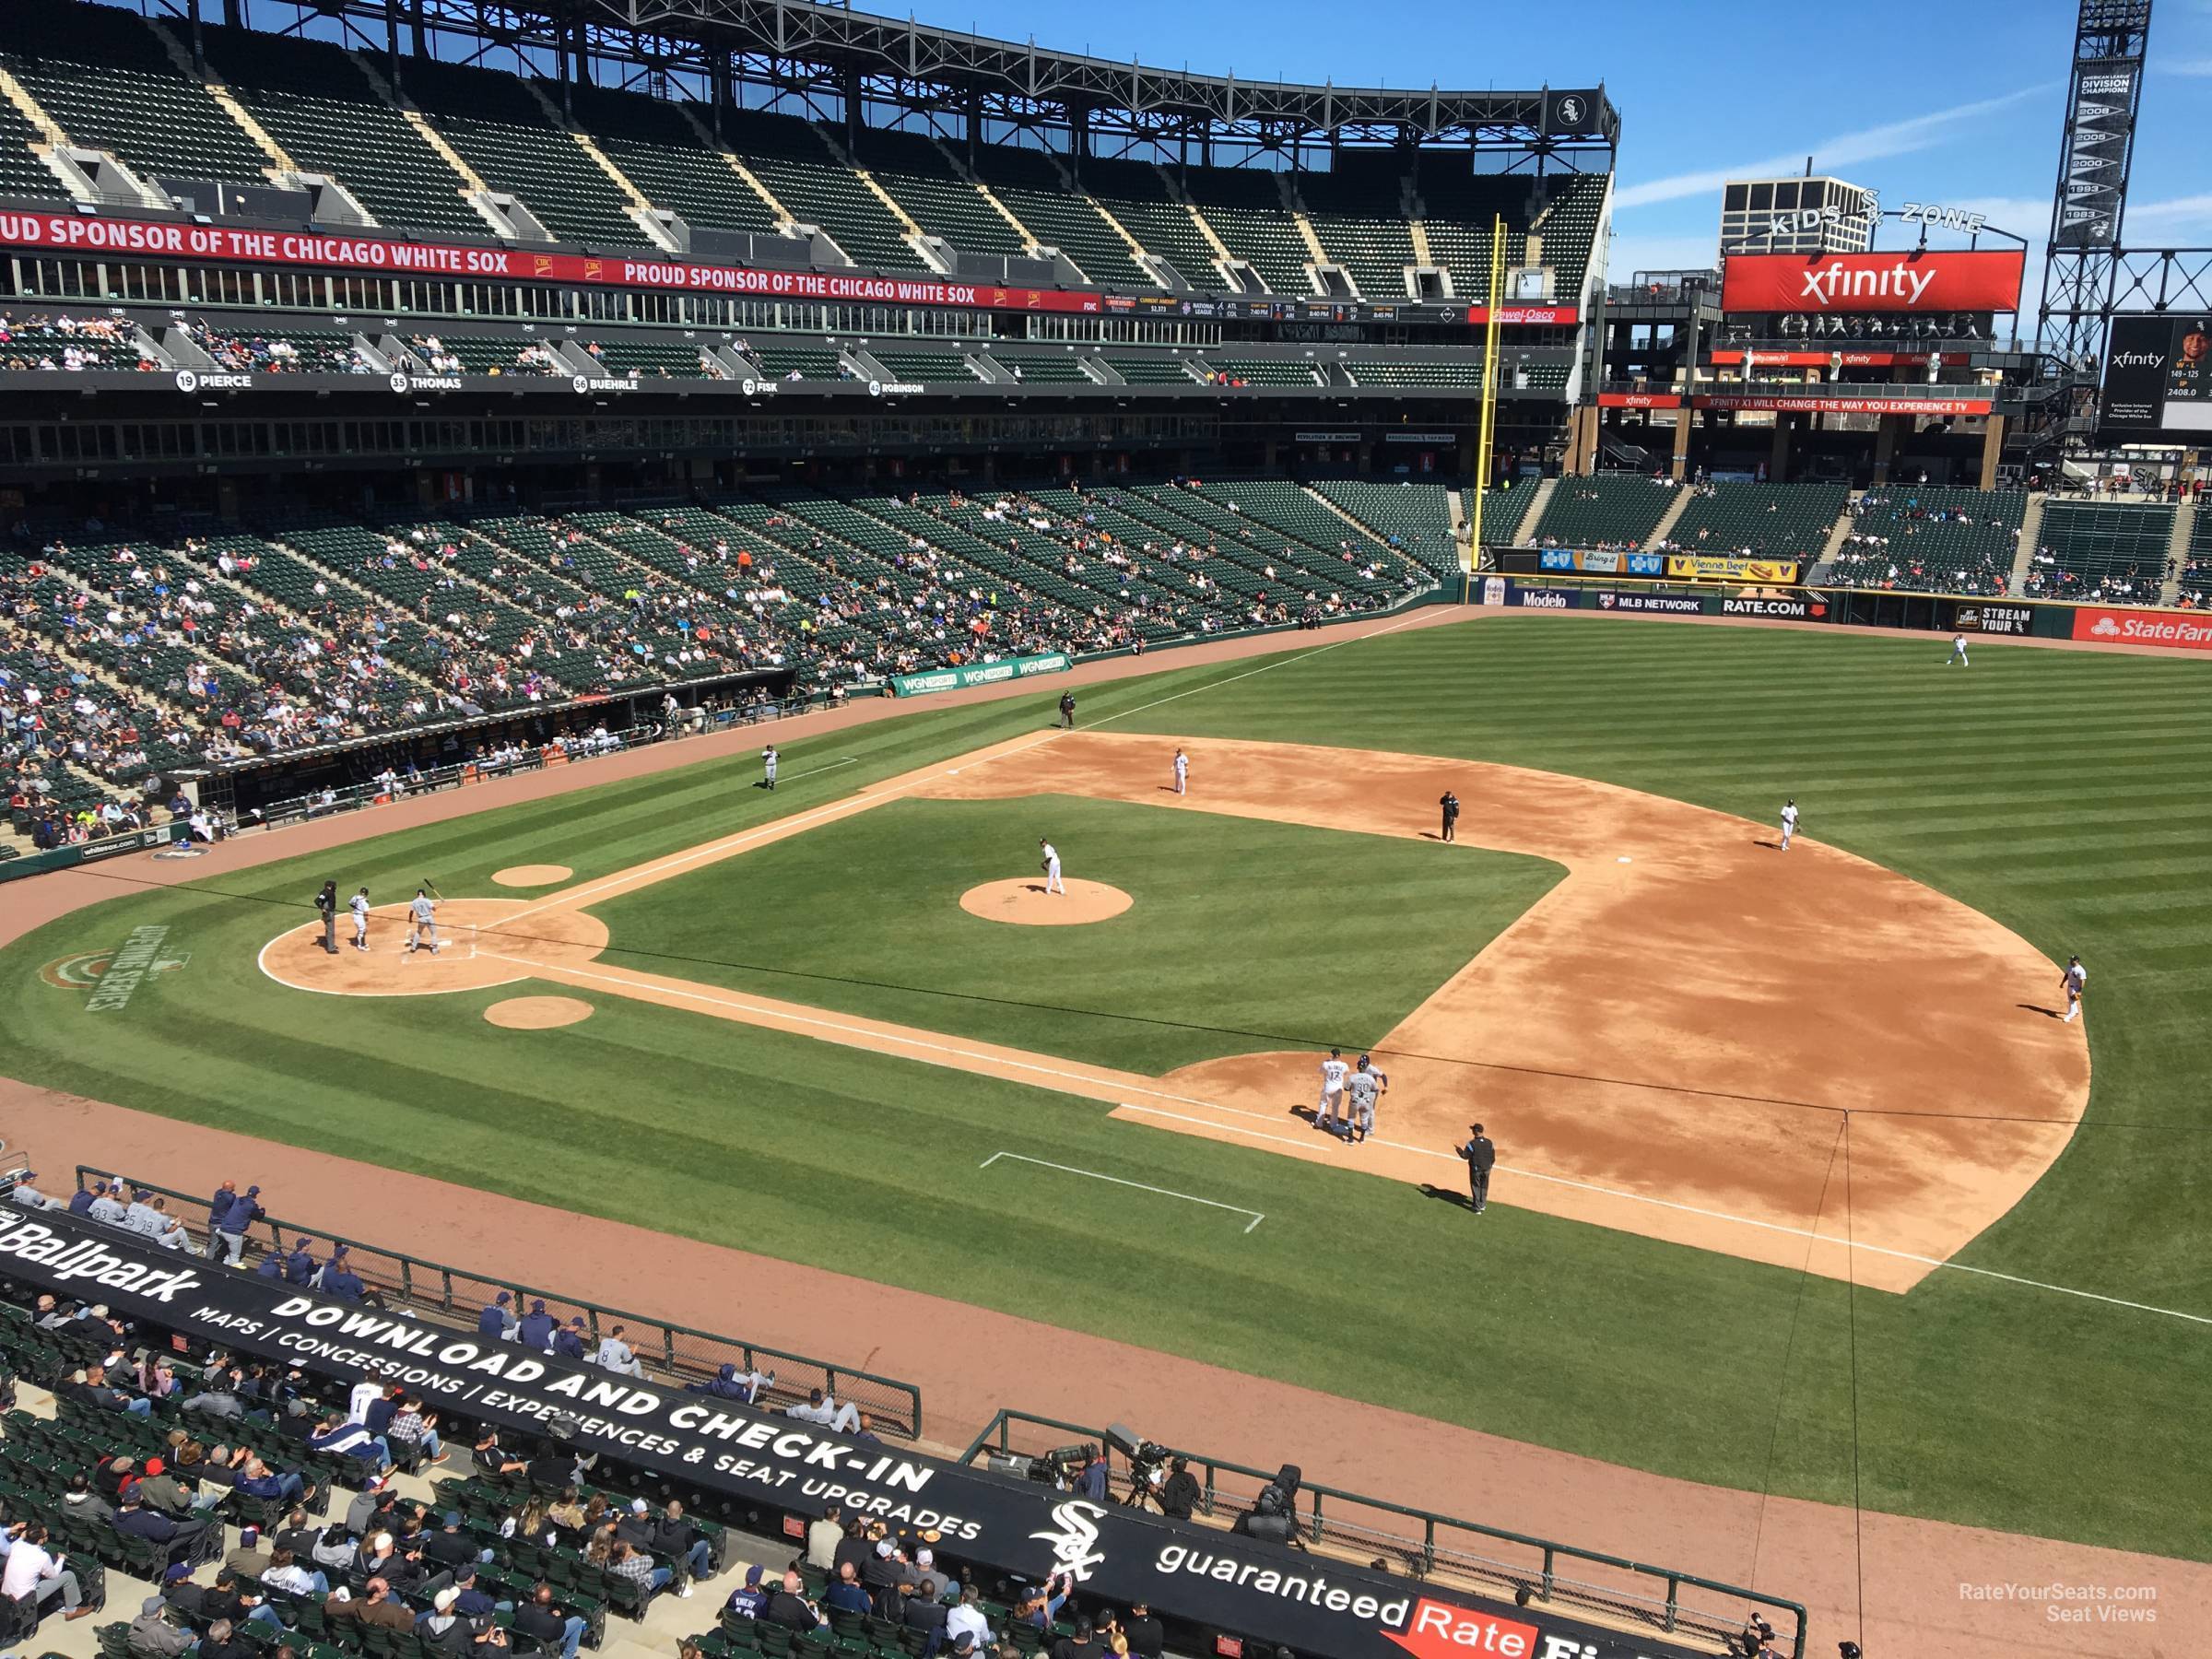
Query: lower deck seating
x,y
1609,510
2096,550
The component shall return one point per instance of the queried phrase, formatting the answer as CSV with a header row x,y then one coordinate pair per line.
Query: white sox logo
x,y
1073,1545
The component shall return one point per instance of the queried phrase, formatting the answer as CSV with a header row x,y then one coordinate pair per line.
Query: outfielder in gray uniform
x,y
1365,1085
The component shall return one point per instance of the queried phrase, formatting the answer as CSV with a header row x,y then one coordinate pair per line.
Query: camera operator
x,y
1179,1495
1273,1515
1091,1482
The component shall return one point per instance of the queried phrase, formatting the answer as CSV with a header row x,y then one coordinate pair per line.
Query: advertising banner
x,y
1790,610
1540,598
1815,403
1909,280
84,853
1190,1573
2170,629
2157,375
979,674
1699,567
69,233
2100,126
1601,561
1639,400
1976,617
1665,604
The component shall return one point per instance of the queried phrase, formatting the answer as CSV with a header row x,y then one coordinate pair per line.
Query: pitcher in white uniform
x,y
358,904
1051,866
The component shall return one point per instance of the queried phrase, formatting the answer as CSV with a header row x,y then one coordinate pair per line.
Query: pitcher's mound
x,y
1025,903
532,875
537,1013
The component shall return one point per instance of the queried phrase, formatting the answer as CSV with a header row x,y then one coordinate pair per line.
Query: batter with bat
x,y
422,918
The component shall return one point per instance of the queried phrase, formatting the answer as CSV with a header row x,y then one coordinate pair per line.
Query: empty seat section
x,y
22,174
1138,195
662,153
495,122
814,362
1376,371
2099,550
1247,213
789,157
1375,250
315,100
1064,370
1611,510
916,174
1414,517
1766,521
649,355
1154,370
106,77
1031,185
1264,372
912,365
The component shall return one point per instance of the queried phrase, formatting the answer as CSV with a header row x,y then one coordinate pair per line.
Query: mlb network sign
x,y
1903,281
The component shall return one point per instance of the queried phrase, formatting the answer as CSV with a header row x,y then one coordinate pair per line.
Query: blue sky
x,y
1966,112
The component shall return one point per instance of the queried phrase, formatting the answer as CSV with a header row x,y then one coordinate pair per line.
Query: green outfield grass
x,y
2060,792
1244,937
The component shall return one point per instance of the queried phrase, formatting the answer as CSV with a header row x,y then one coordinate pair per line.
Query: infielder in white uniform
x,y
1789,823
1958,653
1182,773
1329,1114
2072,982
423,922
767,765
1051,866
358,904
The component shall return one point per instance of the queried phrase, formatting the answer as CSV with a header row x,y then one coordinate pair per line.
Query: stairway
x,y
2031,531
2177,551
1670,518
1525,530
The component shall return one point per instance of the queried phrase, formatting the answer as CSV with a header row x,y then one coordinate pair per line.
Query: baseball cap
x,y
752,1575
638,1506
177,1570
445,1599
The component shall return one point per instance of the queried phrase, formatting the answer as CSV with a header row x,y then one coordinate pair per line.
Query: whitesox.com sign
x,y
1904,281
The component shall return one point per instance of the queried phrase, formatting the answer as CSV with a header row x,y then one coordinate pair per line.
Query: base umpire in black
x,y
1449,803
1480,1155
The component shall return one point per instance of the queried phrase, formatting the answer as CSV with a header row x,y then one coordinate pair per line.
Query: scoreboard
x,y
2157,375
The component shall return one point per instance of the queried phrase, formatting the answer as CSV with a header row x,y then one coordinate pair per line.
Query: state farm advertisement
x,y
1926,280
2163,628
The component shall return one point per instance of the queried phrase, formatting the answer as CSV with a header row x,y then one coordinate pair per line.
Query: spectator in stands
x,y
163,1491
382,1608
256,1480
1083,1644
222,1641
98,1392
451,1546
443,1629
788,1606
288,1573
676,1539
34,1572
342,1439
412,1430
493,1459
133,1519
967,1619
823,1537
748,1600
626,1561
845,1593
153,1637
549,1624
249,1560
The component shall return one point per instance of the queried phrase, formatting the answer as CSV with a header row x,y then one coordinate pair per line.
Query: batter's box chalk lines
x,y
1093,1175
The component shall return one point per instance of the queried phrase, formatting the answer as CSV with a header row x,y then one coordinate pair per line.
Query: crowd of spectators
x,y
276,354
1896,541
70,345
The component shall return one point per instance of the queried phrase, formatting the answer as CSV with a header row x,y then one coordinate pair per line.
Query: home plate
x,y
1624,858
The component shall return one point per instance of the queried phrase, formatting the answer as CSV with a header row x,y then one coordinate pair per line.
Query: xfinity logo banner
x,y
1922,281
1193,1576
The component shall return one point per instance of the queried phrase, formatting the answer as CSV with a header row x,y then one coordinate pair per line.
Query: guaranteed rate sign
x,y
1194,1575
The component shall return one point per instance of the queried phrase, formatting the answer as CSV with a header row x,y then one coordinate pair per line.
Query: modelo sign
x,y
1903,281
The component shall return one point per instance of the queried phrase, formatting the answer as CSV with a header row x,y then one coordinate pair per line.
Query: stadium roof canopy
x,y
827,54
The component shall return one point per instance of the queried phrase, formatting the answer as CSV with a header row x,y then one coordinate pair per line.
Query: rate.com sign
x,y
2142,628
1903,281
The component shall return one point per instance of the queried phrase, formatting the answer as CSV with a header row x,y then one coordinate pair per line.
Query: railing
x,y
1423,1544
679,1354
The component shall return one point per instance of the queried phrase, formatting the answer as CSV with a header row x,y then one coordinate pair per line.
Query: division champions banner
x,y
1194,1575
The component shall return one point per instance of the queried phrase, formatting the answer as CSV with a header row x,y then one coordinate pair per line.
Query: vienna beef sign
x,y
1926,280
1210,1581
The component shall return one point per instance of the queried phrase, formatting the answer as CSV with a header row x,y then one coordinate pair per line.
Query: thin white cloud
x,y
1845,149
2187,66
2174,213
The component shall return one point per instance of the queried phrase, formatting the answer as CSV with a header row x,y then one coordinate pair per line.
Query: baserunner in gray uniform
x,y
1365,1086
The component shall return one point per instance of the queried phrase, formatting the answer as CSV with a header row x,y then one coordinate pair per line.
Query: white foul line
x,y
1070,1169
1692,1209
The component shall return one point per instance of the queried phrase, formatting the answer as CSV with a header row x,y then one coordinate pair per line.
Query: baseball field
x,y
1804,1187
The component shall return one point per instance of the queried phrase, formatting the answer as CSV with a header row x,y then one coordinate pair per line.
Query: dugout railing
x,y
679,1355
1423,1544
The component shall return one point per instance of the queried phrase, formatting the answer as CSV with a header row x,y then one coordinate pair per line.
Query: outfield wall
x,y
2162,629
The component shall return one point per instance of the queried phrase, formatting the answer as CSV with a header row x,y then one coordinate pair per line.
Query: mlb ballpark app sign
x,y
1904,281
1195,1576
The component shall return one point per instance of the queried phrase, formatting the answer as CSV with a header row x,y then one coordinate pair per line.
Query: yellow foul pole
x,y
1489,402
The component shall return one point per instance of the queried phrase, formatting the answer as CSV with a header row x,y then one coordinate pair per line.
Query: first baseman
x,y
1789,823
1050,866
358,904
1329,1114
2073,980
767,765
423,922
1365,1085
